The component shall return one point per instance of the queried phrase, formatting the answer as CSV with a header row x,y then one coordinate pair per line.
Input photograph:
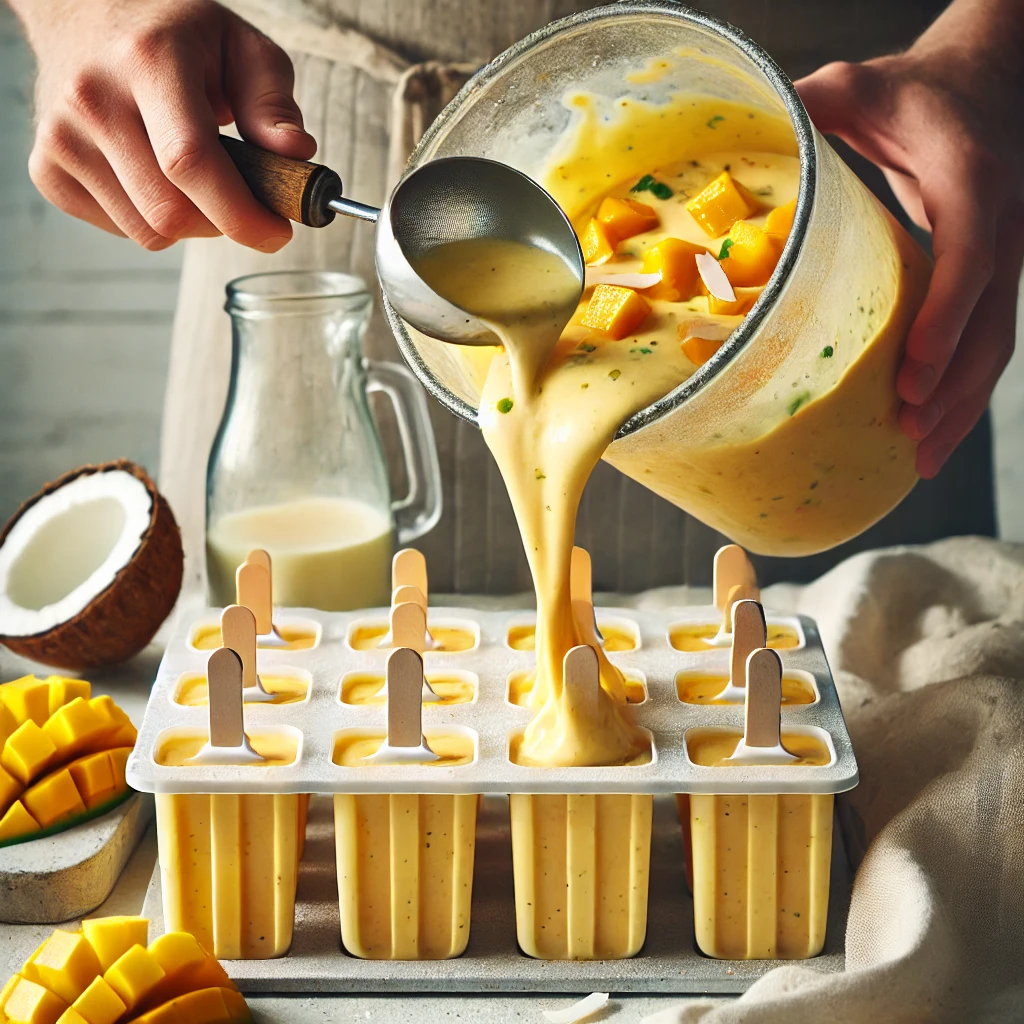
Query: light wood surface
x,y
409,626
253,589
405,689
749,634
224,683
238,632
764,699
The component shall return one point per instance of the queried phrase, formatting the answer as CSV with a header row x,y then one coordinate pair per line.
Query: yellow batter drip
x,y
299,638
520,689
364,688
616,638
193,691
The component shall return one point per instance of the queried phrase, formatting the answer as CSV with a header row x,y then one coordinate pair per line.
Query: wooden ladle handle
x,y
296,189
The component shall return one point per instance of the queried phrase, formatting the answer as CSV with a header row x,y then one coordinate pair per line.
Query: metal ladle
x,y
448,200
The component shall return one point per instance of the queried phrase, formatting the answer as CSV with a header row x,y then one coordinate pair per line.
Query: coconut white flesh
x,y
578,1011
67,548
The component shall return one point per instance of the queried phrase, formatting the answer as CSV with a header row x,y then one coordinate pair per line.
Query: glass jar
x,y
787,440
297,466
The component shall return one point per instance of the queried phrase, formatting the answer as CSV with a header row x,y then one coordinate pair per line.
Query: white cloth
x,y
927,648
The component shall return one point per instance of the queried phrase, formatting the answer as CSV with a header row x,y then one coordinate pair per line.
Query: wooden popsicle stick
x,y
224,684
409,626
581,580
764,699
409,569
408,593
581,680
749,634
405,686
732,568
238,632
252,589
741,592
260,557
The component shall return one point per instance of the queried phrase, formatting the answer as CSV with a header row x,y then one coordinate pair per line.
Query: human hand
x,y
129,98
943,122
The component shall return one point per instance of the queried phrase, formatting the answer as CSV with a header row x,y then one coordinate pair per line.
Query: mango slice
x,y
28,699
700,350
624,218
27,752
720,204
779,222
99,1003
54,799
615,311
745,299
597,243
17,822
675,260
174,981
751,257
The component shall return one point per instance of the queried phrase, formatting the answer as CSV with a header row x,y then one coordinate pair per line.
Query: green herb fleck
x,y
643,184
766,191
713,123
505,405
648,183
827,352
726,246
539,475
661,190
804,396
615,374
584,386
587,347
643,351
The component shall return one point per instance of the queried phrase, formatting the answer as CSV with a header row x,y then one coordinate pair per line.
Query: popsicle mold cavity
x,y
694,637
297,634
229,869
712,748
405,874
581,866
453,747
516,755
619,635
452,687
287,685
520,684
706,688
176,746
449,637
760,874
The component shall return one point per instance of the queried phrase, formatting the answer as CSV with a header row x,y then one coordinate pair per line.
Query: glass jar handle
x,y
420,509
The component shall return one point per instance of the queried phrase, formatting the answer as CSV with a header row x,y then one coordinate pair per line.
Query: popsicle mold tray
x,y
327,671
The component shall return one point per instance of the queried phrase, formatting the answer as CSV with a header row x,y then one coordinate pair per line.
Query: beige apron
x,y
367,101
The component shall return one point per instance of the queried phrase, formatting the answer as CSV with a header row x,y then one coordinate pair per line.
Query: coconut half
x,y
89,568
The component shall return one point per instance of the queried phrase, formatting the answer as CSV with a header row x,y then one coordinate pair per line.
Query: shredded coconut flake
x,y
595,276
578,1011
712,274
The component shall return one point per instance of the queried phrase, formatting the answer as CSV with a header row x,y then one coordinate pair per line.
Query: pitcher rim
x,y
241,296
806,146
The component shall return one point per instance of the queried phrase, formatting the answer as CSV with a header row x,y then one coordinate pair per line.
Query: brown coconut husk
x,y
122,619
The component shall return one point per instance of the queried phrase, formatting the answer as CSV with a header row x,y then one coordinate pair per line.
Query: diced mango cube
x,y
207,1006
29,1003
597,243
71,1016
5,993
751,257
626,217
54,799
77,728
66,964
94,779
118,763
17,822
110,937
10,787
779,222
700,350
133,975
745,299
99,1003
238,1011
720,204
27,752
675,260
186,965
27,698
8,723
64,690
122,732
615,311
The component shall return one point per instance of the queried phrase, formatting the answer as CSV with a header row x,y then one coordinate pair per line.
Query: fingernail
x,y
923,382
290,126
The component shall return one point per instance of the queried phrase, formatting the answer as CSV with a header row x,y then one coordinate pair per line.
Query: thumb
x,y
829,94
258,84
